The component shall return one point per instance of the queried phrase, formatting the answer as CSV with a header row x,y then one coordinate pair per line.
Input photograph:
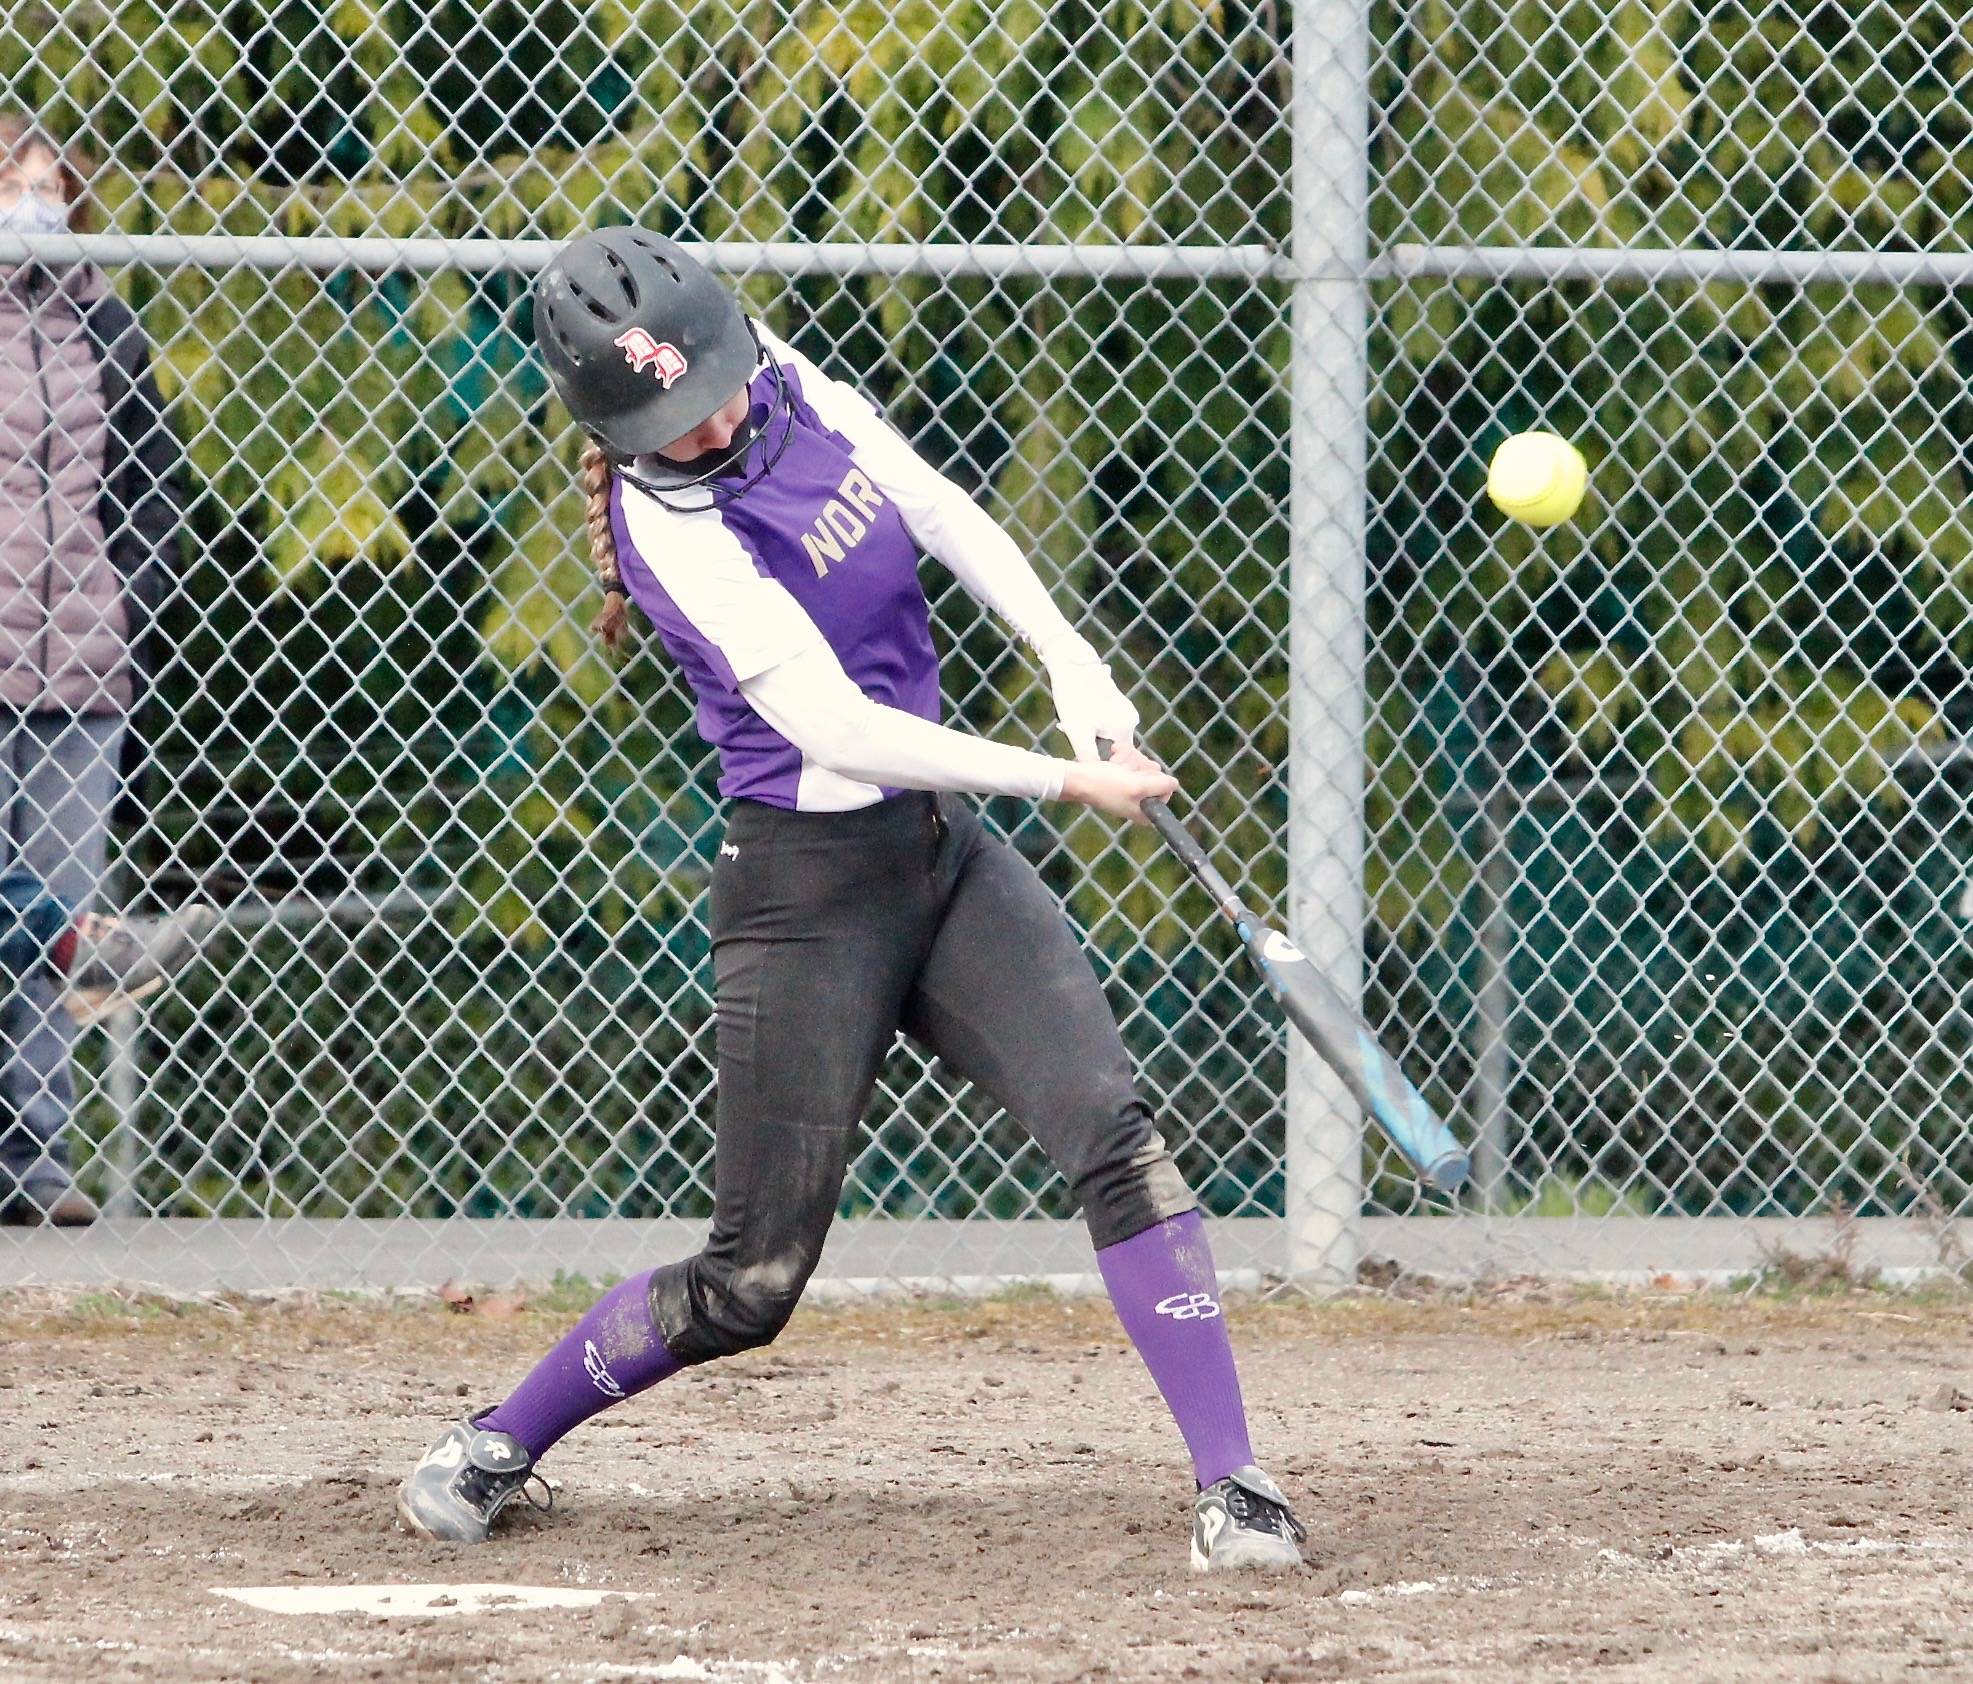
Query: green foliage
x,y
372,421
1567,1196
1763,607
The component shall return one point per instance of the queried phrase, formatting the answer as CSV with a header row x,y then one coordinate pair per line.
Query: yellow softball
x,y
1538,478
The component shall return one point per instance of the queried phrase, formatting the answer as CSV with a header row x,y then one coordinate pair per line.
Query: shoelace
x,y
529,1481
490,1486
1248,1510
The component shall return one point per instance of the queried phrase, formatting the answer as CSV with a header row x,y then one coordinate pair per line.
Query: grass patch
x,y
113,1304
1562,1195
1830,1272
570,1295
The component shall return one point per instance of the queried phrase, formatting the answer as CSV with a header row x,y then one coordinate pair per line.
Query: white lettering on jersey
x,y
859,493
819,544
845,522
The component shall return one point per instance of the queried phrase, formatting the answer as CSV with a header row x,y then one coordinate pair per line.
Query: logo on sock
x,y
599,1371
1188,1306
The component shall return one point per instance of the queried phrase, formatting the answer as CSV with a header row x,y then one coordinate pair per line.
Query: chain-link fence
x,y
1670,829
1644,835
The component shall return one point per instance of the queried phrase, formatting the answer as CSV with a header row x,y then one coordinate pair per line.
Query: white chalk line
x,y
414,1601
1768,1546
435,1599
36,1482
1780,1545
1451,1585
687,1667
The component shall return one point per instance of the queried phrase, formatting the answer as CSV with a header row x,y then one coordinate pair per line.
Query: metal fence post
x,y
124,1148
1328,381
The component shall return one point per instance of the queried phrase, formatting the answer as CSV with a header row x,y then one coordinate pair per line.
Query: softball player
x,y
769,524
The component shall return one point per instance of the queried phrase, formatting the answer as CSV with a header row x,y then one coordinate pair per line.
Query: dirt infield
x,y
1649,1488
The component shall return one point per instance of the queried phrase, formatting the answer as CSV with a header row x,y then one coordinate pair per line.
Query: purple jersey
x,y
813,549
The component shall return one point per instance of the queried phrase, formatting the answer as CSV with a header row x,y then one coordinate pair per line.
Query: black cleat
x,y
458,1489
1243,1520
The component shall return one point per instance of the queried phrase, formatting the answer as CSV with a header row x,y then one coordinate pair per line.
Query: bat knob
x,y
1448,1172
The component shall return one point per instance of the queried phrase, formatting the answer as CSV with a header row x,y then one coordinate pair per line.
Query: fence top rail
x,y
323,252
1662,263
1177,262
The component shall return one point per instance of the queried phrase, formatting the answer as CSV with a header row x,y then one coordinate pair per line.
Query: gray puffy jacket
x,y
89,512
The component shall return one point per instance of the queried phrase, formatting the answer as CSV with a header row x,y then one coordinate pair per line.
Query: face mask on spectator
x,y
31,213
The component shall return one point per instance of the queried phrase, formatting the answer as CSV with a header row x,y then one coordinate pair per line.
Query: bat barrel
x,y
1329,1024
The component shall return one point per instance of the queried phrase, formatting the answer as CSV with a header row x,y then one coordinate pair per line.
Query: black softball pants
x,y
831,933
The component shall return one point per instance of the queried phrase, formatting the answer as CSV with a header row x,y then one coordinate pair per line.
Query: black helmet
x,y
641,341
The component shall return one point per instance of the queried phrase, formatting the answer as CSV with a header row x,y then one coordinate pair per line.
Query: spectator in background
x,y
90,519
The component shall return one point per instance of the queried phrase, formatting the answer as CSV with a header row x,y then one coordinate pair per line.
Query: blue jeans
x,y
58,779
32,920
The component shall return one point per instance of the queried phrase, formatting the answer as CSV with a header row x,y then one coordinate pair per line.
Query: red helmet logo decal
x,y
641,351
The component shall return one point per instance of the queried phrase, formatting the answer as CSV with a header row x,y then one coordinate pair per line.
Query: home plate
x,y
403,1602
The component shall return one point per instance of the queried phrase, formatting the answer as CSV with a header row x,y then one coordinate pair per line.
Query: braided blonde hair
x,y
613,623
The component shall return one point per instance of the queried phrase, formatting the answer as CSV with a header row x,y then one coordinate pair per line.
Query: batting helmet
x,y
641,341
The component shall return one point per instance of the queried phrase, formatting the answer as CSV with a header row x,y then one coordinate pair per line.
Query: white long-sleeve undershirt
x,y
946,523
812,702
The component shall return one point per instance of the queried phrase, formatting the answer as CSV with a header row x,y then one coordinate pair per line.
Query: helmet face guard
x,y
641,341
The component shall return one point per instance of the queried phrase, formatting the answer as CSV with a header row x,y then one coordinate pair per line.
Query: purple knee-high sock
x,y
614,1352
1167,1297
